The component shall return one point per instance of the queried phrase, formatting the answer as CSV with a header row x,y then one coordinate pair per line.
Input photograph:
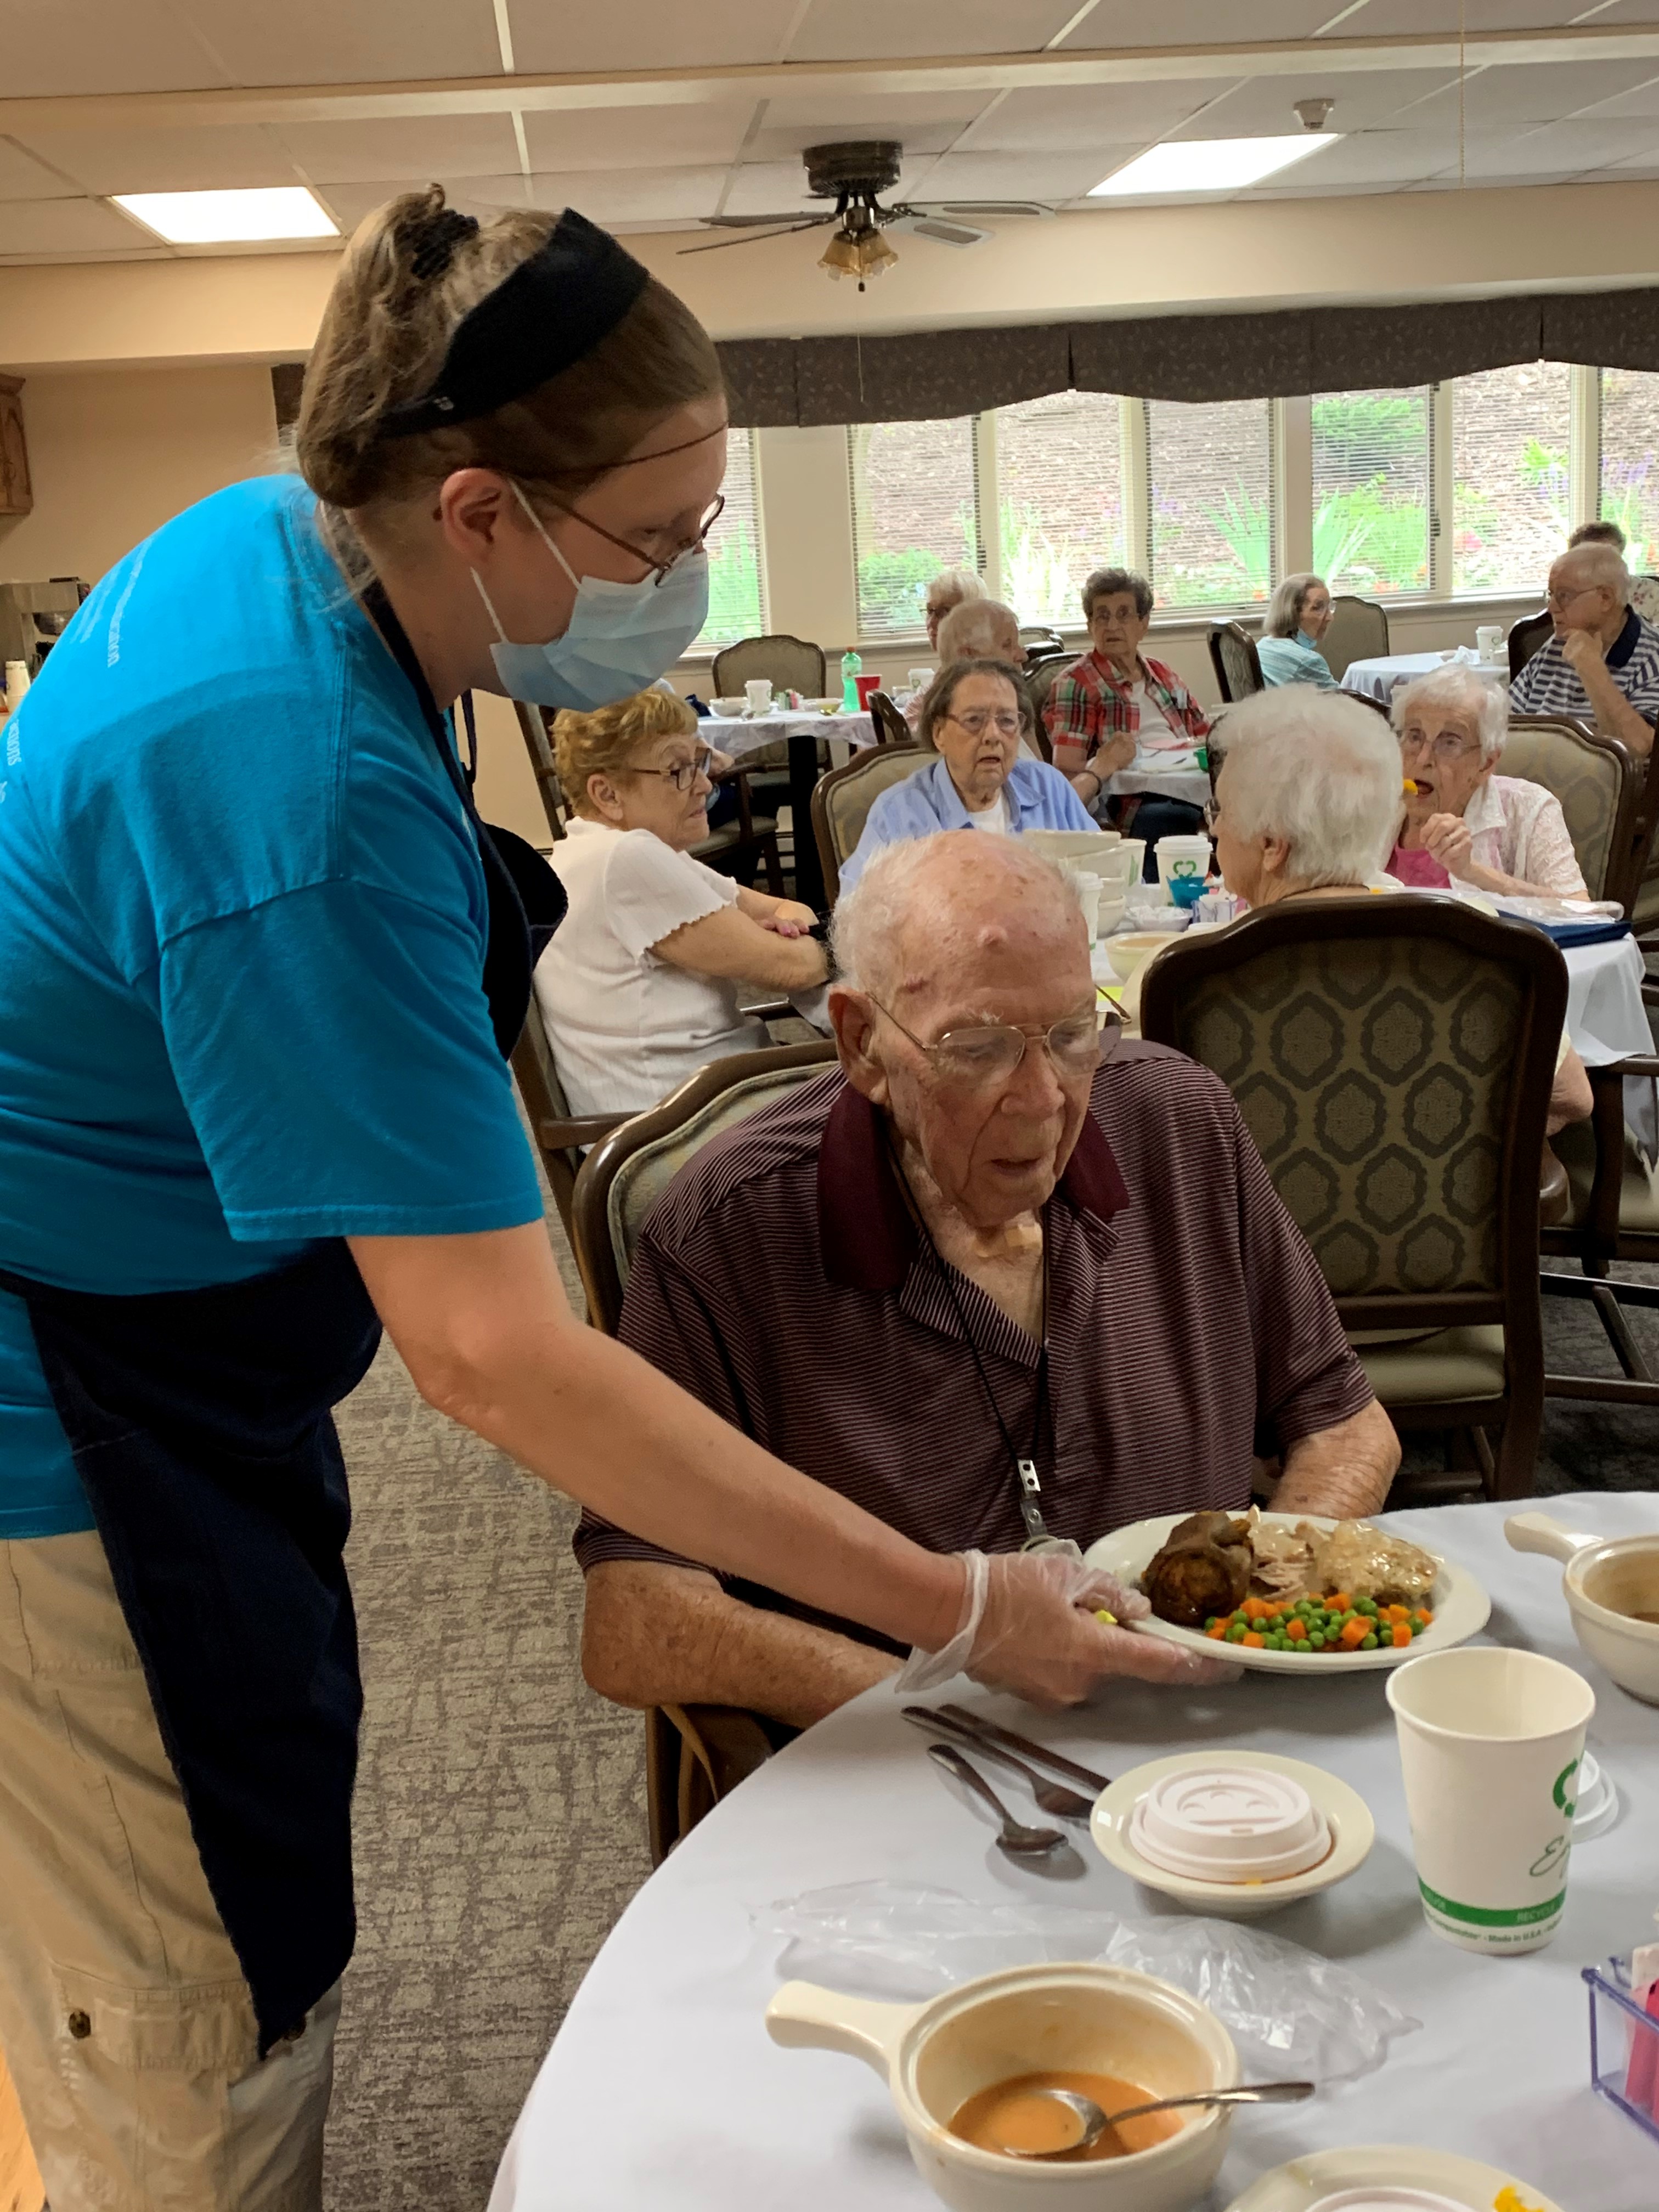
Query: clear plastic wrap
x,y
1289,2011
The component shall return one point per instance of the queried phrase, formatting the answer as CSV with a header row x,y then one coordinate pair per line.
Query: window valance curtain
x,y
926,374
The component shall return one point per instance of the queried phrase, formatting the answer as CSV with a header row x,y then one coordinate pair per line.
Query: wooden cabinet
x,y
16,493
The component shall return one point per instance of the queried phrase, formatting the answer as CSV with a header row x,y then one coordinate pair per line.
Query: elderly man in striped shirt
x,y
1601,665
990,1279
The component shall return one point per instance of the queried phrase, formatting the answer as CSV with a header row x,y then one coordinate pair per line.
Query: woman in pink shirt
x,y
1464,822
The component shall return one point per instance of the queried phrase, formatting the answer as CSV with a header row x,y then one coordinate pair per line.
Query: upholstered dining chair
x,y
1612,1213
788,664
841,801
1392,1058
1599,787
1359,631
890,727
695,1754
560,1135
1235,661
750,842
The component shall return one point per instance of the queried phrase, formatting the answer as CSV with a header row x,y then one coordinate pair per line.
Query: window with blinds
x,y
1630,463
1059,500
1210,526
915,510
1371,490
1509,507
736,575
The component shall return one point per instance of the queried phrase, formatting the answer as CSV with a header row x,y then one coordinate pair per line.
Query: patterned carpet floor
x,y
500,1817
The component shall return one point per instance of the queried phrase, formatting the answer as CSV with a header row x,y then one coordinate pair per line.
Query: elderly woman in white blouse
x,y
1463,822
640,987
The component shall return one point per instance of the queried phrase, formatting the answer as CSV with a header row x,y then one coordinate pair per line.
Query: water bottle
x,y
851,669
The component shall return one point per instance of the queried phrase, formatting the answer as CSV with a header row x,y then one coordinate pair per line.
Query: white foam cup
x,y
921,679
1087,892
1182,856
1489,641
1491,1743
759,693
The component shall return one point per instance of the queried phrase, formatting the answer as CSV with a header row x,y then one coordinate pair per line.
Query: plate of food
x,y
1292,1593
1389,2178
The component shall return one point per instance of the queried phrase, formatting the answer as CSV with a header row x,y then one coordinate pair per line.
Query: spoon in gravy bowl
x,y
1093,2123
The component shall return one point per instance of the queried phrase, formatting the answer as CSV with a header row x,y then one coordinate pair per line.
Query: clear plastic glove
x,y
1028,1625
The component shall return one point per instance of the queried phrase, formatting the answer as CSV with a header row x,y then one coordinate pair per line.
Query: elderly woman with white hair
x,y
975,629
1464,823
950,588
1298,617
1306,801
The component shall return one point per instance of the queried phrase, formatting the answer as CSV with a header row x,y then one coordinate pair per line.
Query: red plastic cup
x,y
865,685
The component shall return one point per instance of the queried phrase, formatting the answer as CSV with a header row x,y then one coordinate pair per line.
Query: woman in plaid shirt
x,y
1115,702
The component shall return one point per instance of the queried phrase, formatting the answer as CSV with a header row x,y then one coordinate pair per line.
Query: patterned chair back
x,y
624,1174
1392,1057
841,801
788,664
1040,674
1596,781
1236,664
1359,631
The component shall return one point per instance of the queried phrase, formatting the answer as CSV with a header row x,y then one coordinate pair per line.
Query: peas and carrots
x,y
1337,1624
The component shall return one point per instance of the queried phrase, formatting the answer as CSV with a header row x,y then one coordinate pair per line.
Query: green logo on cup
x,y
1483,1915
1569,1806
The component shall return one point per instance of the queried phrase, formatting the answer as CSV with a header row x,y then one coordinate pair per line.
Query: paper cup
x,y
1087,892
1489,641
759,694
921,679
1490,1746
1179,858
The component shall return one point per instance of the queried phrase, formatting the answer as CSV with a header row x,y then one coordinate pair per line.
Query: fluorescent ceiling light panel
x,y
230,218
1209,165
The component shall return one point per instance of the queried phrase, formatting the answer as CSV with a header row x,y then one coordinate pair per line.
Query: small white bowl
x,y
1607,1580
730,709
1345,1813
1131,949
1402,2175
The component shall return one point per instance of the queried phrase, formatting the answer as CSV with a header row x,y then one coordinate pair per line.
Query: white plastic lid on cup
x,y
1387,2198
1598,1801
1230,1824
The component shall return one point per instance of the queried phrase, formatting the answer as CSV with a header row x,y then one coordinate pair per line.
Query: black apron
x,y
201,1424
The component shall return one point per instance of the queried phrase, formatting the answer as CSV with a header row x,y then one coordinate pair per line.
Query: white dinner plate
x,y
1460,1606
1299,2185
1346,1814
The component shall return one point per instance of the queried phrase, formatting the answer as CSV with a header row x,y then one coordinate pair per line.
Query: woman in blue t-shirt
x,y
259,967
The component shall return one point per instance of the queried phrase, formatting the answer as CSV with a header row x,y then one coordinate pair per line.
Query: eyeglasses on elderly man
x,y
919,1286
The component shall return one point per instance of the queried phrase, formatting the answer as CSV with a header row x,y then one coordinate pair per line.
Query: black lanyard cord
x,y
1029,1486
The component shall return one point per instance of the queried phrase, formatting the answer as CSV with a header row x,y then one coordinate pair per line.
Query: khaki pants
x,y
123,2015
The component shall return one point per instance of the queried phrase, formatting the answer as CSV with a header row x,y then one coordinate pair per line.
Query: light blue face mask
x,y
620,638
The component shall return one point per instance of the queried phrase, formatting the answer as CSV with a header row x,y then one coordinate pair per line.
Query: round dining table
x,y
662,2093
1378,675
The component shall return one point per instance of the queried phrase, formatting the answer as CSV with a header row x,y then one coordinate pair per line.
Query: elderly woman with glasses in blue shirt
x,y
1298,618
973,719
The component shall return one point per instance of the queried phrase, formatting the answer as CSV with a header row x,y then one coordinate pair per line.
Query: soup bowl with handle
x,y
1028,2019
1606,1581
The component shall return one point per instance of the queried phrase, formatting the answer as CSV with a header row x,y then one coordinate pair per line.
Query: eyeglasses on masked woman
x,y
657,565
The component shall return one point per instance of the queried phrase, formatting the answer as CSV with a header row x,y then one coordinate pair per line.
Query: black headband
x,y
550,313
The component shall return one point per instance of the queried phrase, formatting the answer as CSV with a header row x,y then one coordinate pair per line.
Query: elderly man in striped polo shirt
x,y
988,1279
1602,664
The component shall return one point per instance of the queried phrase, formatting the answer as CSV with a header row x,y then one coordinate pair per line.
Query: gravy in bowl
x,y
1008,2117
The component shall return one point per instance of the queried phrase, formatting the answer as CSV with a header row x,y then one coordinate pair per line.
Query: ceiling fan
x,y
853,175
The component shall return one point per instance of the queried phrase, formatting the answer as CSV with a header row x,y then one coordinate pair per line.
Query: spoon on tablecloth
x,y
1018,1841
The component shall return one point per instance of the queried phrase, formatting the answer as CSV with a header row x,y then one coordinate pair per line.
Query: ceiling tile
x,y
1368,158
164,161
397,148
1197,22
636,137
346,41
1496,98
1641,99
67,227
1091,117
69,46
1557,150
480,195
629,34
854,30
634,196
1261,106
22,178
1048,177
1388,19
923,123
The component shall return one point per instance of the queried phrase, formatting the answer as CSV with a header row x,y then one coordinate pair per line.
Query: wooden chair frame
x,y
1524,639
591,1238
1239,635
828,858
1597,1241
559,1133
890,727
1514,1302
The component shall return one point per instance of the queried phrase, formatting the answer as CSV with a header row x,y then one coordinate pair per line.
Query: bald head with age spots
x,y
957,932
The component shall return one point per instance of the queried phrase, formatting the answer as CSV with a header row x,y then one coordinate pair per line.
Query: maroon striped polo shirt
x,y
781,1280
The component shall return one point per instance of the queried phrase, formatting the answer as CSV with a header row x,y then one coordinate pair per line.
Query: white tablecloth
x,y
738,734
1167,775
662,2093
1378,678
1606,1017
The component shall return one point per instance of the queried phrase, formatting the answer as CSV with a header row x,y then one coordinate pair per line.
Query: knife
x,y
990,1733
